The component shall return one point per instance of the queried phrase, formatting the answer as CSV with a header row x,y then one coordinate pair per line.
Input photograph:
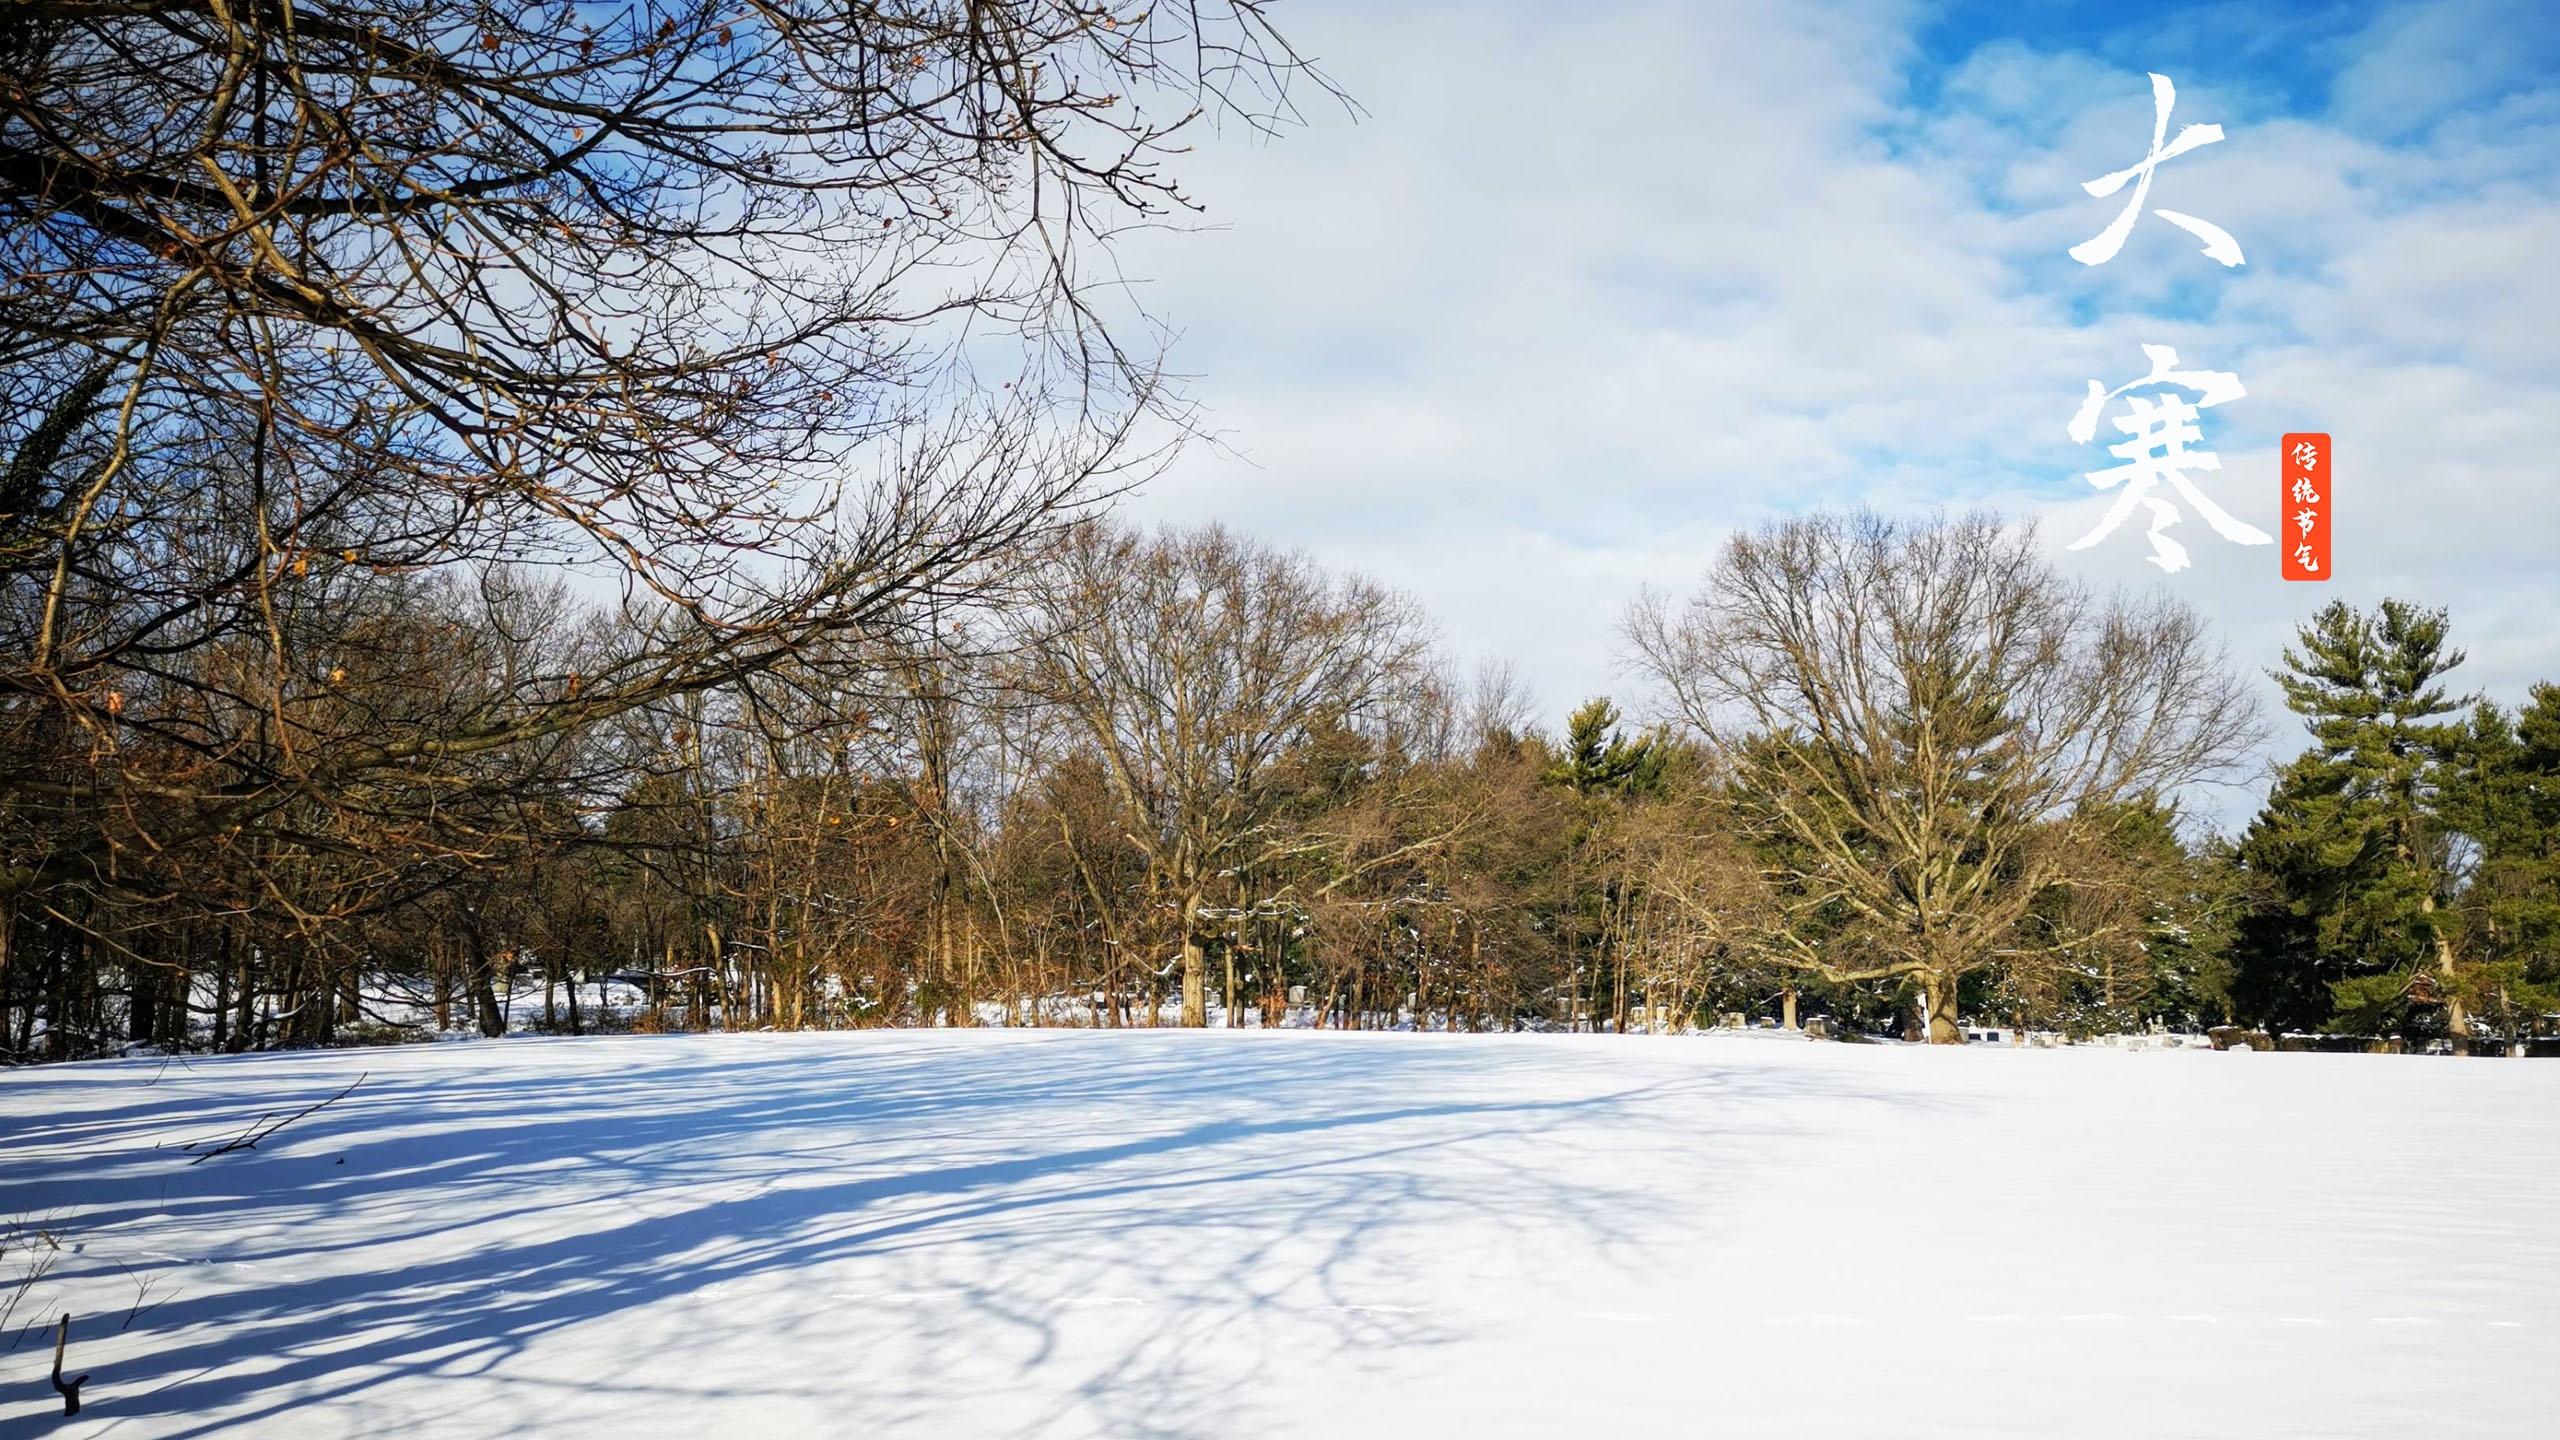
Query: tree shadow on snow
x,y
767,1193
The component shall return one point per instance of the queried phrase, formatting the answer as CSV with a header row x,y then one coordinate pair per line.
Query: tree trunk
x,y
484,986
246,1029
2457,1016
143,1015
1787,1007
222,991
1195,968
484,1002
1938,993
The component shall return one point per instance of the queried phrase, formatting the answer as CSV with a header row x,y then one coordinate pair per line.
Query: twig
x,y
70,1388
248,1139
143,1304
172,1058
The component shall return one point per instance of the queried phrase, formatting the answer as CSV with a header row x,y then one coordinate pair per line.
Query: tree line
x,y
1905,773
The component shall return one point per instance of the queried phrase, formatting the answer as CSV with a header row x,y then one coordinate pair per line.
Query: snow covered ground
x,y
1001,1233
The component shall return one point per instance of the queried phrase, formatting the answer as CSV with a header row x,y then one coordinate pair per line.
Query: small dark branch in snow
x,y
143,1304
165,1062
268,1124
70,1388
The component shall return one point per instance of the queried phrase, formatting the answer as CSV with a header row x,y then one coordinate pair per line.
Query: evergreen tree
x,y
1606,770
2505,801
2353,850
1598,759
2141,934
2297,859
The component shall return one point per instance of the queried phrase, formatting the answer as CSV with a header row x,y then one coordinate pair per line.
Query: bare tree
x,y
763,327
1693,910
1926,728
1192,663
776,315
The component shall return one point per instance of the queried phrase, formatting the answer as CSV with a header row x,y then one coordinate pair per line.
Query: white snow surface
x,y
1242,1234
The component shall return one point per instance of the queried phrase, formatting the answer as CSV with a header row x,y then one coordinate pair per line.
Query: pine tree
x,y
1607,770
2505,800
2353,849
2298,858
2141,934
1599,759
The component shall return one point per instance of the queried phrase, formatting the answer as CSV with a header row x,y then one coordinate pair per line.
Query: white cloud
x,y
1588,287
2415,63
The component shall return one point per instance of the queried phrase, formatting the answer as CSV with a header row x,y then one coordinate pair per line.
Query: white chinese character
x,y
2305,454
2155,450
2302,557
2218,243
2306,519
2303,491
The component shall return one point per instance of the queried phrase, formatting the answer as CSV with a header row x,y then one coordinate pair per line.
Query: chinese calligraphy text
x,y
2303,471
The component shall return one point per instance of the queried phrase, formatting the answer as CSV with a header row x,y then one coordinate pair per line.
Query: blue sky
x,y
1584,288
2290,52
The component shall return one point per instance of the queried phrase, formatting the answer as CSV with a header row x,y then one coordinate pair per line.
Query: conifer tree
x,y
2297,858
1599,759
2505,800
1607,770
2140,934
2354,846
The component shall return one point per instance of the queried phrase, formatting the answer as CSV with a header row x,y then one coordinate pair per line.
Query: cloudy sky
x,y
1584,287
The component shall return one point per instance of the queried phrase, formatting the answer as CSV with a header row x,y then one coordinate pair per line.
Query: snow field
x,y
1243,1234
